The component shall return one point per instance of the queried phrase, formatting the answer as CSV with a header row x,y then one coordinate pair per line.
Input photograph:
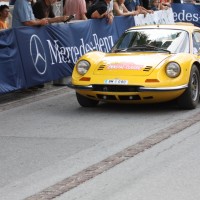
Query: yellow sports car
x,y
148,64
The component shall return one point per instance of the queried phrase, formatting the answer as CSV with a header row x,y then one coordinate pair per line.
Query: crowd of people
x,y
40,12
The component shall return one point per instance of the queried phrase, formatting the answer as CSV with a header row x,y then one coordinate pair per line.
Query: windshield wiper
x,y
154,47
120,50
134,48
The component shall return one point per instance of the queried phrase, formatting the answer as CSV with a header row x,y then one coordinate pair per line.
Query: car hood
x,y
129,64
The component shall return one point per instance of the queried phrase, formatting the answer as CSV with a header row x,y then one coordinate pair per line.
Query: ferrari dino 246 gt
x,y
148,64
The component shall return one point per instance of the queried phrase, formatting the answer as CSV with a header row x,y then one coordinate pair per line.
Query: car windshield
x,y
160,40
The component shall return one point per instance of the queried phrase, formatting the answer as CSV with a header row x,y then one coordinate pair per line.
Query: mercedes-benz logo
x,y
38,54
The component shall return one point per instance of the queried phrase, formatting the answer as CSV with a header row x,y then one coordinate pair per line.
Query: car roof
x,y
180,25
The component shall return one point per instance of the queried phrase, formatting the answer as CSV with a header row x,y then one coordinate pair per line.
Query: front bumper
x,y
133,88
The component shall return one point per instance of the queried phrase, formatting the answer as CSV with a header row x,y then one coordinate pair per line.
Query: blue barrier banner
x,y
186,13
11,71
33,55
50,52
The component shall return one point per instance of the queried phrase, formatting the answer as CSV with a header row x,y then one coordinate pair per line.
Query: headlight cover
x,y
173,70
82,67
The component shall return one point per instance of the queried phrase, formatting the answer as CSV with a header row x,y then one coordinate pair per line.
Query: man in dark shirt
x,y
41,9
44,9
99,10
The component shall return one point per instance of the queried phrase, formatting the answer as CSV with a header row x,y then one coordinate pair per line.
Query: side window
x,y
196,42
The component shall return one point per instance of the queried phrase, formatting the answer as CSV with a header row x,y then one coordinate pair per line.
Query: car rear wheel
x,y
190,98
86,102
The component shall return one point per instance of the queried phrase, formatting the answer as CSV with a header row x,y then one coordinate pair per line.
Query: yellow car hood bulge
x,y
129,64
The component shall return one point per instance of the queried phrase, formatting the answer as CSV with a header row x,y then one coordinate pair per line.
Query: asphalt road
x,y
47,139
169,170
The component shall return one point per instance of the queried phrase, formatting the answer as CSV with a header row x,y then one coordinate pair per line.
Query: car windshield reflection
x,y
170,40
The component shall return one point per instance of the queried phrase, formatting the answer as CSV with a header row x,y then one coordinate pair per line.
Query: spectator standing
x,y
4,14
135,5
158,5
145,4
23,15
132,4
119,9
44,9
165,4
109,10
155,5
77,7
100,9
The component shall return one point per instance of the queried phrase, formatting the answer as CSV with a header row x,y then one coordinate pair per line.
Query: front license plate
x,y
116,82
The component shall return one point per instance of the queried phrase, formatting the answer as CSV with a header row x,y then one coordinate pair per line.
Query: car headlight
x,y
82,67
173,70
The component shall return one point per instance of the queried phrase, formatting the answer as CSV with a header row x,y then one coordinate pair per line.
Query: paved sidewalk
x,y
26,93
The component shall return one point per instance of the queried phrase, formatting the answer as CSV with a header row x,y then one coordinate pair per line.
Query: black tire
x,y
86,102
190,98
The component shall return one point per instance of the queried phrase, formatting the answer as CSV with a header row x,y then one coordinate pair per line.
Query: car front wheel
x,y
190,98
86,102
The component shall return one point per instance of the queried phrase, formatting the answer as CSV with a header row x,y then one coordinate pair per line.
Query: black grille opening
x,y
115,88
130,97
106,97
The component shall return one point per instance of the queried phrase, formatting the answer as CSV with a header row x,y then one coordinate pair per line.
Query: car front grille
x,y
115,88
120,97
146,69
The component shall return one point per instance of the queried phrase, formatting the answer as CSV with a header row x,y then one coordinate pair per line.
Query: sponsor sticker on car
x,y
116,82
125,66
